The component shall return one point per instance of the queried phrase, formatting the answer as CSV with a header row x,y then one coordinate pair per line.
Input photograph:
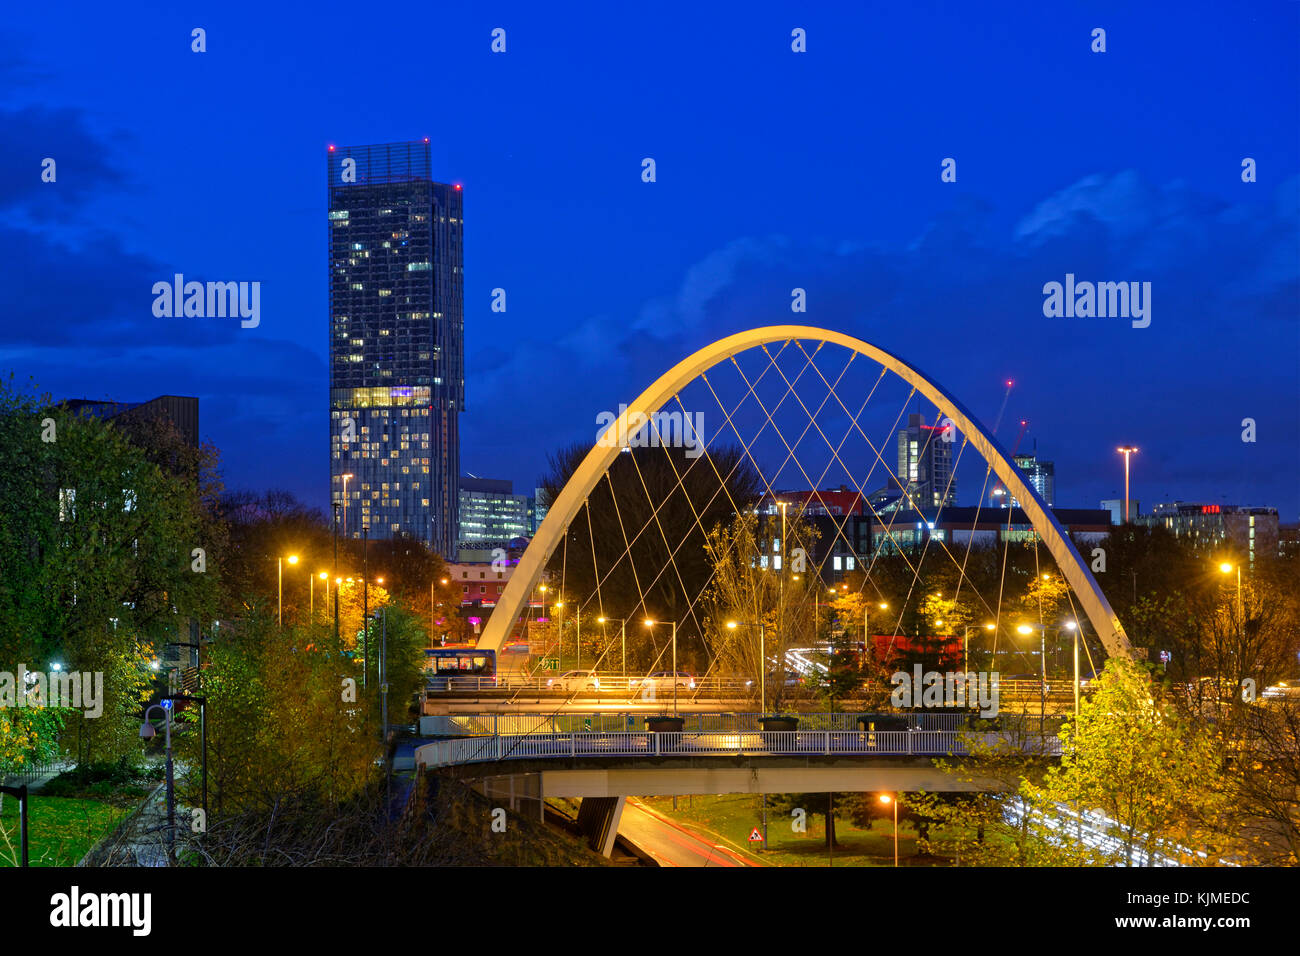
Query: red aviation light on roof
x,y
331,147
458,185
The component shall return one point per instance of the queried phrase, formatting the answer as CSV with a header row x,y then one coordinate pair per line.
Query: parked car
x,y
574,682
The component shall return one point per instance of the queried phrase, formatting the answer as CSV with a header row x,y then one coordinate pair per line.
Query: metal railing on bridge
x,y
650,688
881,743
460,725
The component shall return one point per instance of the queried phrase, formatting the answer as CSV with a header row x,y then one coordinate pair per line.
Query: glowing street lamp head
x,y
1070,625
886,798
1225,567
731,625
884,606
1024,629
292,559
444,581
324,576
990,627
600,620
649,623
542,588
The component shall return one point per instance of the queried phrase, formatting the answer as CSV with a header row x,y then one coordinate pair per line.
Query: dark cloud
x,y
83,169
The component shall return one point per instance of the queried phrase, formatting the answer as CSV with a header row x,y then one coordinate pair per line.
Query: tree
x,y
827,805
997,823
1156,777
743,590
843,674
636,548
1264,774
97,545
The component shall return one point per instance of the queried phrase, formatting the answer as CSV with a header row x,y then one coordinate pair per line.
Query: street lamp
x,y
887,799
866,634
1227,568
1042,653
311,606
650,623
559,628
279,587
762,659
1127,451
148,733
622,634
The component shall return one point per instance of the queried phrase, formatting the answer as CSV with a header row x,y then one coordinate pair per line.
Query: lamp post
x,y
866,634
1042,653
887,799
1228,568
279,587
622,635
1127,451
433,622
559,627
762,659
326,578
650,623
147,732
1073,628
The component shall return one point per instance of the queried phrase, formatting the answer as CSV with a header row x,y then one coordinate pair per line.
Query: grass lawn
x,y
731,817
61,830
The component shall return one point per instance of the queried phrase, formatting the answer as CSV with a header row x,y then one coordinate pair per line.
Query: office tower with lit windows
x,y
925,463
396,350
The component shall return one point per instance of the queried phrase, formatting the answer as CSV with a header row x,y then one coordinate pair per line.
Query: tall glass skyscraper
x,y
396,351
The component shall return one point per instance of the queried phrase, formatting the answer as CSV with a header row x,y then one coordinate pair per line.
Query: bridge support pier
x,y
599,818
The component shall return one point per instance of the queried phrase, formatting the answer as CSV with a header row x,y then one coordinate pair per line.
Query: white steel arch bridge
x,y
791,339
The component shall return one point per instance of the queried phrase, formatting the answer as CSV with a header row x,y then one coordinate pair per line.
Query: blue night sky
x,y
818,170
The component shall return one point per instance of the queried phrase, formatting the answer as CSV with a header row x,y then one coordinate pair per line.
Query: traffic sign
x,y
550,663
755,836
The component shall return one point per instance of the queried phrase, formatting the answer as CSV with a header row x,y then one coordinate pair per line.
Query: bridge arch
x,y
593,467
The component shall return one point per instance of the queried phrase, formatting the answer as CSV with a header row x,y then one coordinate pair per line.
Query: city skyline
x,y
949,275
